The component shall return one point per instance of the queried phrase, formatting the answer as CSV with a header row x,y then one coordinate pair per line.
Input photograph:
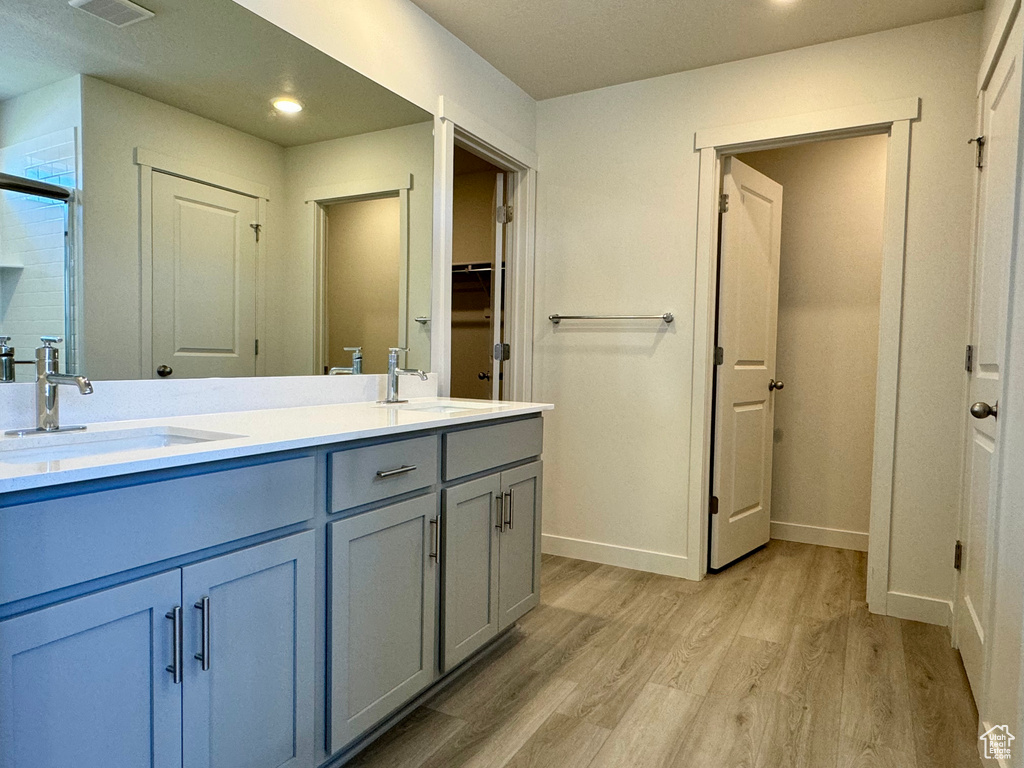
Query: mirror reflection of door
x,y
204,280
363,291
478,285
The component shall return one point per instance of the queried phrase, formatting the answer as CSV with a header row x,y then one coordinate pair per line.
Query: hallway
x,y
775,662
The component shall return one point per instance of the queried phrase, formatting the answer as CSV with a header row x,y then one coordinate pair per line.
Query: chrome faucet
x,y
357,363
394,372
48,379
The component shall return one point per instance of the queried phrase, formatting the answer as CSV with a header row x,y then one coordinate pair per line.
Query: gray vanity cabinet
x,y
491,557
248,657
83,683
383,578
519,550
469,562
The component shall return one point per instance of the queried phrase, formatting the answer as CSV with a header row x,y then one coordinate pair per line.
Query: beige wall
x,y
372,157
616,232
993,10
114,123
362,281
829,288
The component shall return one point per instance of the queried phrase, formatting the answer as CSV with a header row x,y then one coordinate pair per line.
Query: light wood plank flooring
x,y
773,663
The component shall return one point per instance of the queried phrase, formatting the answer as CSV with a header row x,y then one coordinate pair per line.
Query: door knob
x,y
484,375
164,371
773,385
984,410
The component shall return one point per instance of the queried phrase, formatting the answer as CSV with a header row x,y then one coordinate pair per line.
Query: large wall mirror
x,y
166,218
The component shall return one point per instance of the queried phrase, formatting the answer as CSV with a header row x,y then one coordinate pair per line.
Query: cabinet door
x,y
383,598
469,548
252,706
519,550
85,683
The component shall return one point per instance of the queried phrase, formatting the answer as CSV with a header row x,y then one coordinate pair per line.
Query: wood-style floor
x,y
775,662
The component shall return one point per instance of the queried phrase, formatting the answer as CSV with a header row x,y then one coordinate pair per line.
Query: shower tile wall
x,y
32,245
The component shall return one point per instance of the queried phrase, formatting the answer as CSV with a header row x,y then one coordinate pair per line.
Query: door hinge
x,y
257,228
504,214
713,505
723,202
257,346
980,160
958,555
502,352
969,359
719,355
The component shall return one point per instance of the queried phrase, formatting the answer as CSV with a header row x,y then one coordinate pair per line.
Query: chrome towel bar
x,y
667,317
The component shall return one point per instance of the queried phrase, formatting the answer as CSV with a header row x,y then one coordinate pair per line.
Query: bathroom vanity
x,y
260,589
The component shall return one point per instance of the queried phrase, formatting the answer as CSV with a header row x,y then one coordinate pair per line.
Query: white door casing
x,y
750,248
982,606
204,279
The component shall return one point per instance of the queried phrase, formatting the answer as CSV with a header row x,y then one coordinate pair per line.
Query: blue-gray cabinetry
x,y
117,679
383,575
84,684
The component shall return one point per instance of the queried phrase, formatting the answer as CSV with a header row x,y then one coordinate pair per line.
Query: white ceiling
x,y
555,47
209,57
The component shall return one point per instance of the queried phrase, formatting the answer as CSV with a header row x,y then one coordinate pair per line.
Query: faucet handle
x,y
4,341
353,349
50,340
396,350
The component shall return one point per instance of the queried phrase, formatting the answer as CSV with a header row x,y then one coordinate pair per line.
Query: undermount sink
x,y
446,406
41,447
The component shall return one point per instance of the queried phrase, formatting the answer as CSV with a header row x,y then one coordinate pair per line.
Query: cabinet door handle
x,y
499,503
511,507
176,665
435,540
203,605
397,471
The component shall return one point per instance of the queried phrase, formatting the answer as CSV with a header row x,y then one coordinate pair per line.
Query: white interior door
x,y
748,310
497,285
204,280
975,612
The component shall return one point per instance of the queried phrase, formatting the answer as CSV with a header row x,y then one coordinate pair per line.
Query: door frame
x,y
893,118
317,199
151,162
453,124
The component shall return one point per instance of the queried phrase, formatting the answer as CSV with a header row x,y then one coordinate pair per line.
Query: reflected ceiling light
x,y
287,105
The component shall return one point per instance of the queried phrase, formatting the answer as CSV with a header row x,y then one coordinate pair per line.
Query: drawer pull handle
x,y
402,470
203,605
176,665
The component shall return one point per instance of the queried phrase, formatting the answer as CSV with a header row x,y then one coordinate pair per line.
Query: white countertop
x,y
259,432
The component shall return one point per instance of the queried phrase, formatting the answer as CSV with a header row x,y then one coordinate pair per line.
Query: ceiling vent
x,y
120,13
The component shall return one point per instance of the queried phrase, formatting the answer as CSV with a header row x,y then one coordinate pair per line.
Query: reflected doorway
x,y
363,292
479,216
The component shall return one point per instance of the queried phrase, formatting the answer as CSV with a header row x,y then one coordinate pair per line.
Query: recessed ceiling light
x,y
287,105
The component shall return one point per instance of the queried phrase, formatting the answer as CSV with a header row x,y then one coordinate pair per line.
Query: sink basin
x,y
446,406
35,448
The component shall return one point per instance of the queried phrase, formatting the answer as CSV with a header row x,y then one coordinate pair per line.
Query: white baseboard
x,y
623,557
929,610
825,537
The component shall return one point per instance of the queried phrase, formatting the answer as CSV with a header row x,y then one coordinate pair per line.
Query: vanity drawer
x,y
469,451
47,545
362,475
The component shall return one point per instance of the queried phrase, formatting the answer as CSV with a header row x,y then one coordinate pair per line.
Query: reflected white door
x,y
996,209
748,310
204,280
